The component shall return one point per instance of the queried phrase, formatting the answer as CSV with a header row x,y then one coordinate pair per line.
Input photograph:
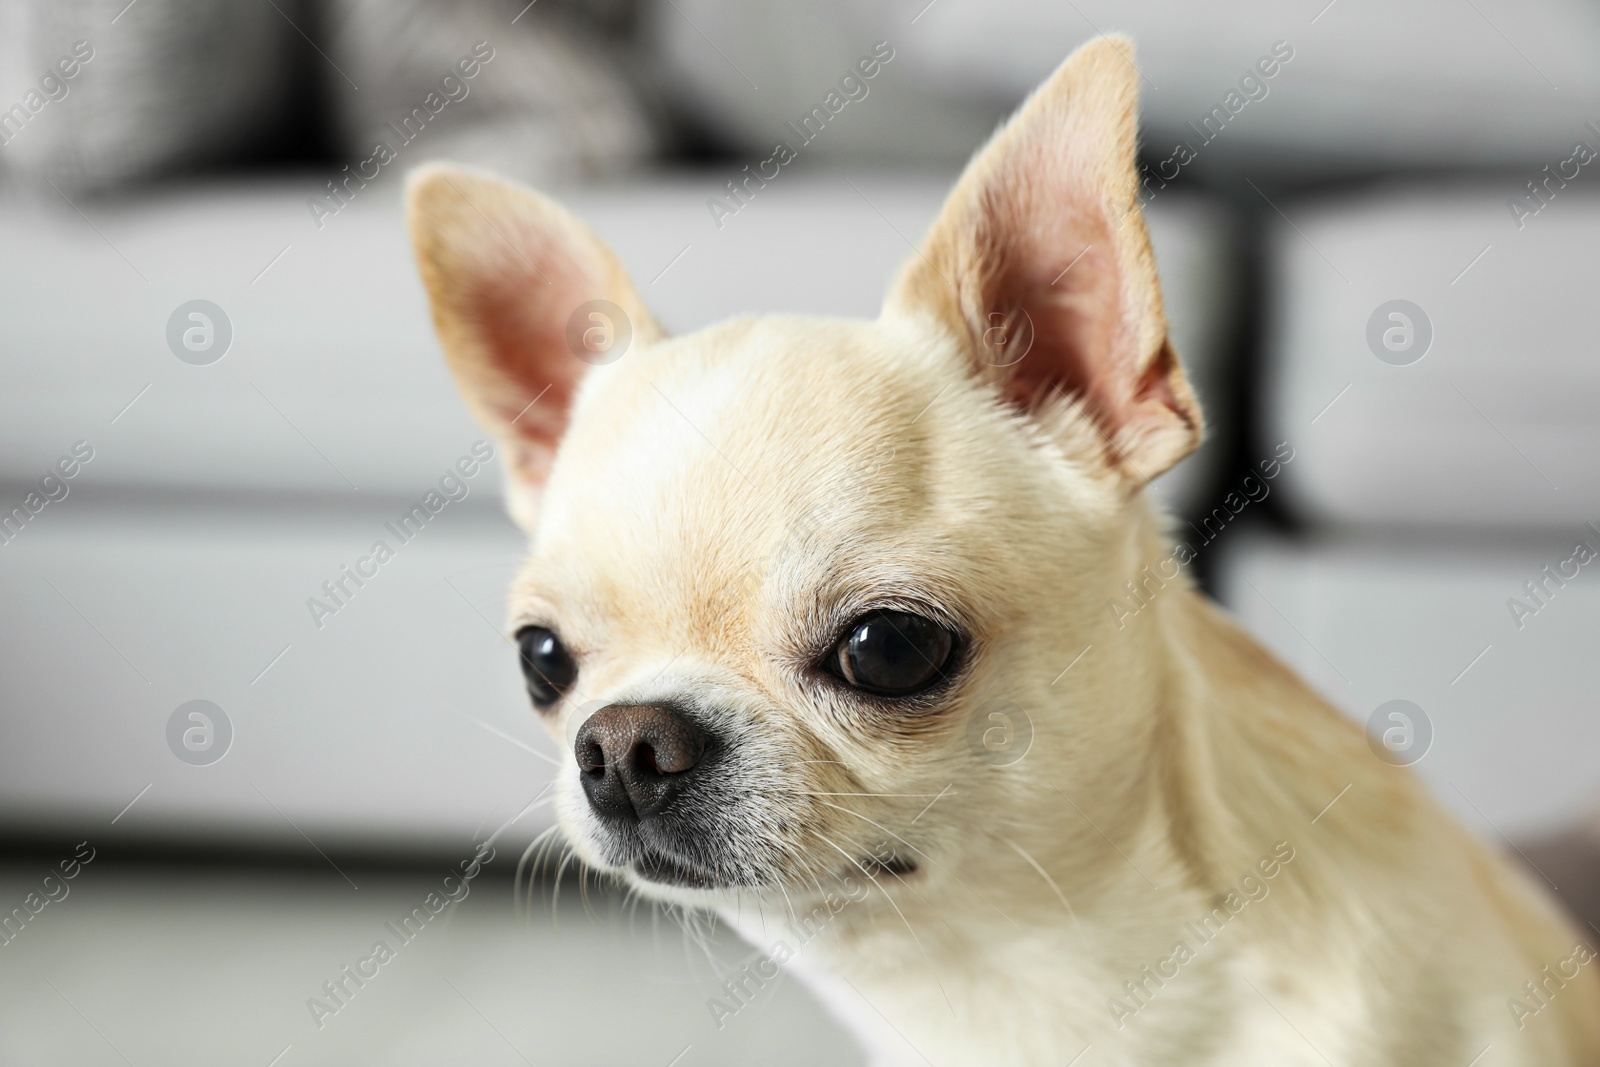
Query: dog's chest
x,y
997,999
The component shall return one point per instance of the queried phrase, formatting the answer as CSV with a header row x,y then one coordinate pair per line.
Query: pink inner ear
x,y
1069,284
1087,345
527,357
522,323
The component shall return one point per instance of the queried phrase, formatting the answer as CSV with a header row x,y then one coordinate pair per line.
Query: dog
x,y
818,609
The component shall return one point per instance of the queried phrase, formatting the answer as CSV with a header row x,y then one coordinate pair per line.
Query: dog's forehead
x,y
753,413
693,463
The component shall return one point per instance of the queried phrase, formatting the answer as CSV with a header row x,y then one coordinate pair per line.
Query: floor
x,y
177,965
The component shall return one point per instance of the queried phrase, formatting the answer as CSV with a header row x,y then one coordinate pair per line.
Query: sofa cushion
x,y
1496,422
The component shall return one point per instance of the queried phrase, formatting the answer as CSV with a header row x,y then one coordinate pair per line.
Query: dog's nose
x,y
634,759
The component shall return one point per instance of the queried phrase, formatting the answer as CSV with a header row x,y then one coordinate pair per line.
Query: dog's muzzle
x,y
648,771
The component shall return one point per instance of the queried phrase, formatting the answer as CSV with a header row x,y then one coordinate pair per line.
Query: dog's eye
x,y
546,665
892,653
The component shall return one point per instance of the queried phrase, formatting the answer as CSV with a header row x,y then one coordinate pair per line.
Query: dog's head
x,y
795,580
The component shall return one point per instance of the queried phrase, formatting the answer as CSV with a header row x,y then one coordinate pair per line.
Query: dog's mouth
x,y
662,868
893,866
655,866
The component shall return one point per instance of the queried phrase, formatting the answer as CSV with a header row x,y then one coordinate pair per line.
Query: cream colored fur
x,y
708,507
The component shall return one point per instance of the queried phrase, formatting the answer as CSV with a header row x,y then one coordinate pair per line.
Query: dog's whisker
x,y
822,793
547,841
695,934
794,919
655,926
1035,864
536,802
898,877
920,947
541,862
956,877
879,825
567,855
583,891
525,912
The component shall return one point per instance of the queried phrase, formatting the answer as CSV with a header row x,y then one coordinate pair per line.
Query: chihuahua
x,y
817,610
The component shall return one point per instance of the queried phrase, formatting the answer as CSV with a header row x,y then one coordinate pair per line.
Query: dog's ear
x,y
514,281
1040,263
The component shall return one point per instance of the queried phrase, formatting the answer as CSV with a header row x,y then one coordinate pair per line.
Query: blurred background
x,y
219,387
